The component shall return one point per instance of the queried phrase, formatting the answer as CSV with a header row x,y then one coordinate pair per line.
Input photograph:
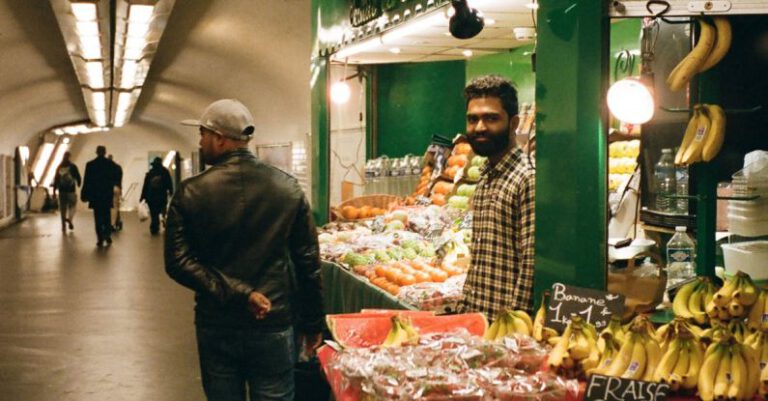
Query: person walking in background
x,y
98,190
115,221
157,187
241,235
65,182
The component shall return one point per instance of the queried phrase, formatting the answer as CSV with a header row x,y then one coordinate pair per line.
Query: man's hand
x,y
259,305
311,343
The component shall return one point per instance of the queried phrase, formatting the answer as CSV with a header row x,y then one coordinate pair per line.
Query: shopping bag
x,y
143,211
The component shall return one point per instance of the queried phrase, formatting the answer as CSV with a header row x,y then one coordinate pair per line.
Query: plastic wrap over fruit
x,y
451,367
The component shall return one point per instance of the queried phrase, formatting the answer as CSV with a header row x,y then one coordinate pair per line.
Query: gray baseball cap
x,y
227,117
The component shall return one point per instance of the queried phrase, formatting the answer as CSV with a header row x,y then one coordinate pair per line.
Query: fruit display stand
x,y
346,292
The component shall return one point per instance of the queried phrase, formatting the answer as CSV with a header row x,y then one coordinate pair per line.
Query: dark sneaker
x,y
109,241
71,226
100,243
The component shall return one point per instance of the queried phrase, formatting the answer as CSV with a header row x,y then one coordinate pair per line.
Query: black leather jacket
x,y
244,226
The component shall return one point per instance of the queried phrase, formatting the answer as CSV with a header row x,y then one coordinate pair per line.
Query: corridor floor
x,y
81,323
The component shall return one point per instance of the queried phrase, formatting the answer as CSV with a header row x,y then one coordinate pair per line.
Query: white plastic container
x,y
748,227
756,209
750,257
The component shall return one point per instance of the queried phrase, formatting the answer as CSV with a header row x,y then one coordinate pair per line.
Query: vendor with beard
x,y
500,276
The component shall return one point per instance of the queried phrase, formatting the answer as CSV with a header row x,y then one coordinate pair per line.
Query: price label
x,y
604,388
595,307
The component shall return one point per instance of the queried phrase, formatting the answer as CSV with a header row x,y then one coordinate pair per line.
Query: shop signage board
x,y
595,307
606,388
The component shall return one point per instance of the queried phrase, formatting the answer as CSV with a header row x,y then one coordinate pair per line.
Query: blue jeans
x,y
232,358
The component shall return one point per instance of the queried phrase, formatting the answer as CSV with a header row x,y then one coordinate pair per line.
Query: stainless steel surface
x,y
79,323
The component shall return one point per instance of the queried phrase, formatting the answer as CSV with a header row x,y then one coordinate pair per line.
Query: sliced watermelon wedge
x,y
367,330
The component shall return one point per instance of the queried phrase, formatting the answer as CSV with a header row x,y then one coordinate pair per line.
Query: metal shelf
x,y
686,8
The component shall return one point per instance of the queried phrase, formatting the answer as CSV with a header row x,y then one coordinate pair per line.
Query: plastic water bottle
x,y
681,253
664,174
681,174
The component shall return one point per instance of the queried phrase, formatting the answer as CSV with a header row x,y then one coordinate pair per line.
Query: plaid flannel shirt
x,y
501,272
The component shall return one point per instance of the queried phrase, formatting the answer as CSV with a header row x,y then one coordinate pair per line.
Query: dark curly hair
x,y
493,86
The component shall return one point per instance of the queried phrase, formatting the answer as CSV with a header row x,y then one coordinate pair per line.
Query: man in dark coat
x,y
157,187
98,189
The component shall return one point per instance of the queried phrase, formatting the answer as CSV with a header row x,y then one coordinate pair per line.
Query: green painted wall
x,y
514,64
417,100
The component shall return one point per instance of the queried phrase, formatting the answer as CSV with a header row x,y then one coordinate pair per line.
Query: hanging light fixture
x,y
466,22
632,99
340,92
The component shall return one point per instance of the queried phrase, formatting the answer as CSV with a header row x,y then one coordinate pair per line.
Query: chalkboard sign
x,y
593,306
605,388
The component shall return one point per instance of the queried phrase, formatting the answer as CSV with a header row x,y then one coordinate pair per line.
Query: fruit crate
x,y
380,201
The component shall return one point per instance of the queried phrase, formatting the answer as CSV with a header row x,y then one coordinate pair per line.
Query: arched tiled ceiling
x,y
254,50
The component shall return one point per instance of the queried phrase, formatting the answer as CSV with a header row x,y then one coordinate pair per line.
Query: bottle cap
x,y
681,229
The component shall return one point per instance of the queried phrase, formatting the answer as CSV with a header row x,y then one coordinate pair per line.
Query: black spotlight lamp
x,y
466,22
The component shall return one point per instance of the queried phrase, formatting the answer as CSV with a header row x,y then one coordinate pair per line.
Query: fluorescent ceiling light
x,y
413,27
101,118
168,159
124,100
99,100
95,72
91,47
51,173
133,53
140,13
128,75
24,154
137,30
395,50
44,153
88,28
360,47
84,11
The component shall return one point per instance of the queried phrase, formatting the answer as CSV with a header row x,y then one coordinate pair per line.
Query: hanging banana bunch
x,y
714,43
704,135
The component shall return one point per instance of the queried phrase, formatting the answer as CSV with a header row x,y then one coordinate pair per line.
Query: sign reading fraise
x,y
606,388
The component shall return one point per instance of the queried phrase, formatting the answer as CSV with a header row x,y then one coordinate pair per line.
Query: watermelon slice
x,y
367,331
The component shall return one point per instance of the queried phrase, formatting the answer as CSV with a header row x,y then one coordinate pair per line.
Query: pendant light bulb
x,y
631,100
340,92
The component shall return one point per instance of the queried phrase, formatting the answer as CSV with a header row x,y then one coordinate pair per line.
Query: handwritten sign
x,y
595,307
362,12
605,388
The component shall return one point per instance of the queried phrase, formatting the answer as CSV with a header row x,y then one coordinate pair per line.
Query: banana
x,y
690,65
764,382
708,372
623,358
578,346
554,340
592,361
747,292
615,329
755,317
492,331
548,333
711,309
637,363
690,133
558,353
504,327
653,352
753,369
764,320
668,361
680,303
397,334
410,331
538,321
694,367
678,373
693,151
738,375
723,371
696,305
612,347
714,140
523,315
722,43
723,295
738,329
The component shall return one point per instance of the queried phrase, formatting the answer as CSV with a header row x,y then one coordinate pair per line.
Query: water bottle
x,y
664,174
681,252
681,181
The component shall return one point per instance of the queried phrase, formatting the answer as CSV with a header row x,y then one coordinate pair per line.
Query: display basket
x,y
381,201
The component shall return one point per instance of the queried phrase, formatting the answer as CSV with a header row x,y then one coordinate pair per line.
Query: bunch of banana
x,y
734,299
704,135
678,327
610,348
738,329
615,331
714,42
541,333
639,354
575,352
691,299
680,364
717,331
402,332
758,341
759,309
509,322
730,371
764,382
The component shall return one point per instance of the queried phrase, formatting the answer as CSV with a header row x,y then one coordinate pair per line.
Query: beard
x,y
206,157
495,143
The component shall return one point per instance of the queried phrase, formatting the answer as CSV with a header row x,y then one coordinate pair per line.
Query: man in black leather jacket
x,y
241,235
